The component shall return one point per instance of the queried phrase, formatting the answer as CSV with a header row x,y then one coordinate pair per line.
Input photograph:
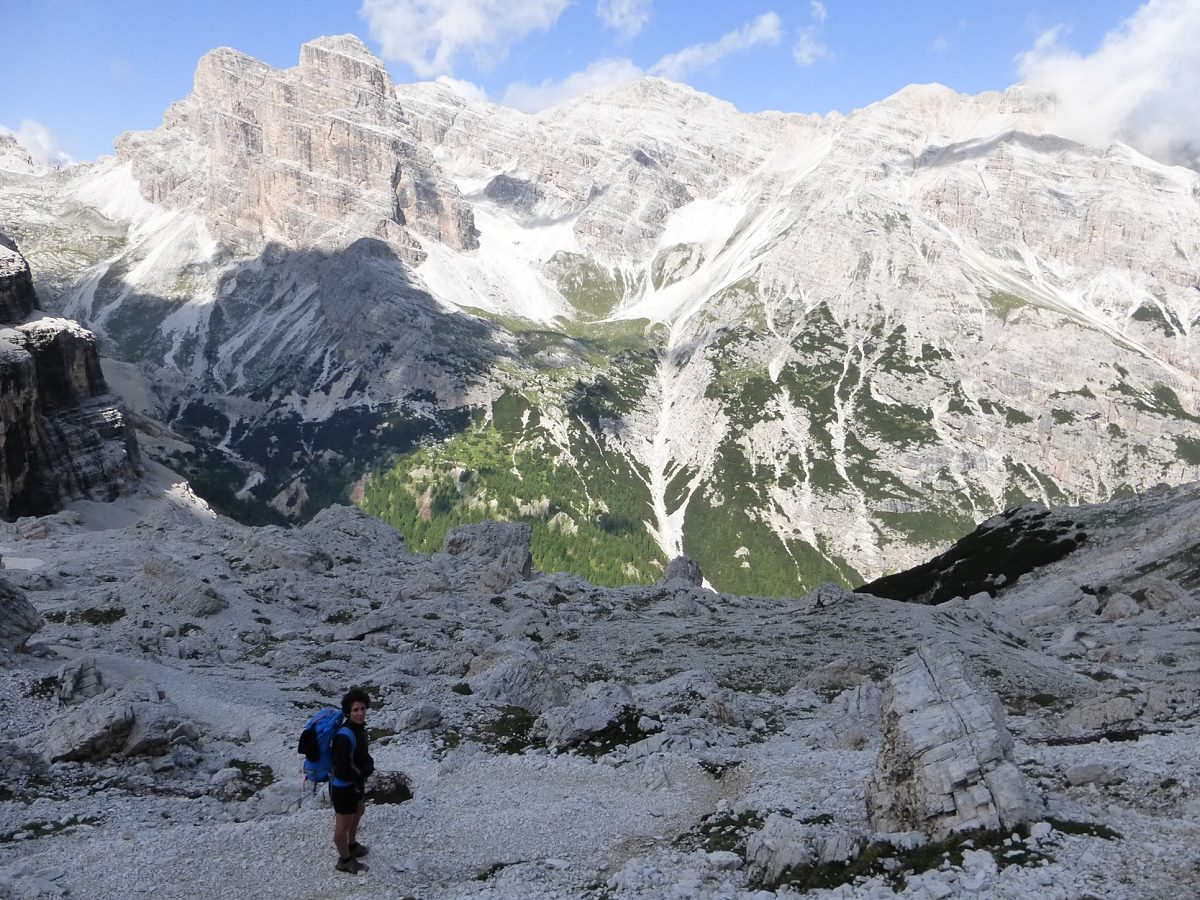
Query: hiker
x,y
352,764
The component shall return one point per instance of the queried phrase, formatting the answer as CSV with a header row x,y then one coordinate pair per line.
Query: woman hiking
x,y
352,764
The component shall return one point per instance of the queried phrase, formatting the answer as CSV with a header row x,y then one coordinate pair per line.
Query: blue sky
x,y
84,71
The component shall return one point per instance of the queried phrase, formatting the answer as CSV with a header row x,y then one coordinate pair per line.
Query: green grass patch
x,y
1003,305
1188,449
592,289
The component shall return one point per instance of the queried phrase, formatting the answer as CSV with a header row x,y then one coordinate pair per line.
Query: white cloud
x,y
468,90
428,35
39,142
808,48
533,98
612,72
1142,86
676,66
625,16
941,44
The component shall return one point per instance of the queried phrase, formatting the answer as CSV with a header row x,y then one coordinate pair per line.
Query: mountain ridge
x,y
867,312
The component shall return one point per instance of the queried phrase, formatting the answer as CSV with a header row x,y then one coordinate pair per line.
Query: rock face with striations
x,y
302,156
17,298
944,765
18,617
62,435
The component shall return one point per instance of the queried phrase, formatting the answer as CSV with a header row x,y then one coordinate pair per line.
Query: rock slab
x,y
945,760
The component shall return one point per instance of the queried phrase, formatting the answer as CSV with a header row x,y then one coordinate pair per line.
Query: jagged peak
x,y
344,44
650,91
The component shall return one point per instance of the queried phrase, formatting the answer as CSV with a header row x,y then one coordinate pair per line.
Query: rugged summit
x,y
315,156
796,348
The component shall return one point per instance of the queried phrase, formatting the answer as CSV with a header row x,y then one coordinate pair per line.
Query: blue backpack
x,y
316,743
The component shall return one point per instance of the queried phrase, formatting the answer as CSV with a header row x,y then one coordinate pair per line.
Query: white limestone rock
x,y
516,674
587,712
18,617
134,720
499,552
945,761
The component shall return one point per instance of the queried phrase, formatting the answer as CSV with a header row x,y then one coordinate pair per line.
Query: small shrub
x,y
255,774
1091,829
510,731
101,616
45,688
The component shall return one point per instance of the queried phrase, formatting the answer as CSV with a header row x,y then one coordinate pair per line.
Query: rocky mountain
x,y
558,739
798,348
64,436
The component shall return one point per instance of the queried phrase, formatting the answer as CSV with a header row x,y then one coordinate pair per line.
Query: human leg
x,y
357,849
347,809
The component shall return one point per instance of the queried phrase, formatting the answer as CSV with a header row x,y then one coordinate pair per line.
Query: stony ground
x,y
564,740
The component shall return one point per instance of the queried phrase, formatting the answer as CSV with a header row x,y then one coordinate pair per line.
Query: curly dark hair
x,y
355,695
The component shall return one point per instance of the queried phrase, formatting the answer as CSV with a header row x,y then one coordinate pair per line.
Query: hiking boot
x,y
351,865
358,851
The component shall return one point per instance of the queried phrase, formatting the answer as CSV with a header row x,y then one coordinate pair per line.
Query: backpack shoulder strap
x,y
350,734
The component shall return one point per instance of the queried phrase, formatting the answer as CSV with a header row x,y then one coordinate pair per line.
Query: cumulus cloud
x,y
39,142
612,72
809,48
1141,87
468,90
533,98
677,66
627,17
429,35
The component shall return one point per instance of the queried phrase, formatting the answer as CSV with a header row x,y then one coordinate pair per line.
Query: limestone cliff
x,y
16,286
304,156
62,434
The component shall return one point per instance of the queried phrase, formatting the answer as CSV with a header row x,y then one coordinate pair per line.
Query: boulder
x,y
588,712
18,617
134,720
496,554
944,764
419,717
685,569
1100,714
276,799
516,674
79,680
1091,773
780,845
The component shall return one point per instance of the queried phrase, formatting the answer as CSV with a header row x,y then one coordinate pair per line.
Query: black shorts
x,y
346,800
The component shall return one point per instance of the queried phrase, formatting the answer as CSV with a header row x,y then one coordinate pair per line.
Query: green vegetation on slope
x,y
587,516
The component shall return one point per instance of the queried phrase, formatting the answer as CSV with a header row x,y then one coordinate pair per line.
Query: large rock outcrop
x,y
945,762
303,155
18,617
62,434
17,298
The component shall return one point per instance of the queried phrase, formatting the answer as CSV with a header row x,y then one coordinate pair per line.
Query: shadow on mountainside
x,y
979,148
992,557
306,369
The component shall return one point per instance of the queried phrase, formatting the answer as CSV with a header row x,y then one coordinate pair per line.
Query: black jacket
x,y
354,769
